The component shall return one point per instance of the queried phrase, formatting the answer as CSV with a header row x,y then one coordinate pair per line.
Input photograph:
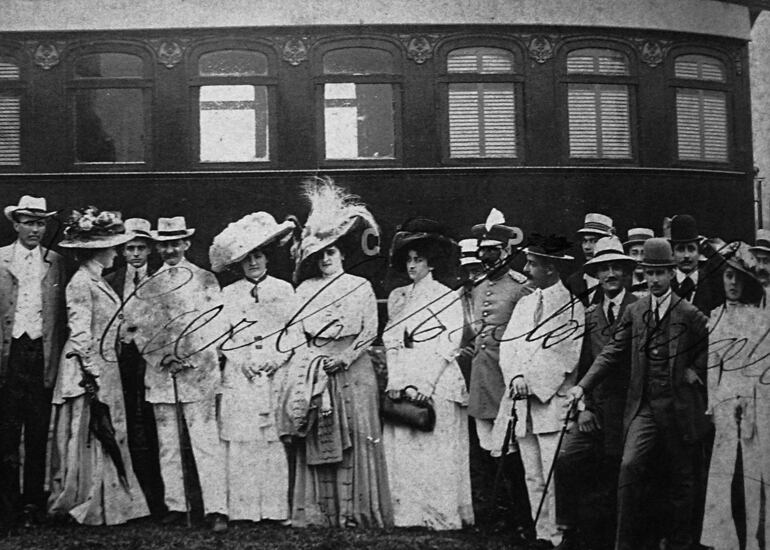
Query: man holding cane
x,y
179,327
666,403
538,356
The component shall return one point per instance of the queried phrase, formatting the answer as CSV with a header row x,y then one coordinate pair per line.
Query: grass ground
x,y
147,535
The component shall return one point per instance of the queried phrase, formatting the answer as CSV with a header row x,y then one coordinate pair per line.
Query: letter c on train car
x,y
517,238
370,235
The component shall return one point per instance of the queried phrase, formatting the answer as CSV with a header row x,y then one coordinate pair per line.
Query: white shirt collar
x,y
661,303
130,270
617,300
681,276
21,252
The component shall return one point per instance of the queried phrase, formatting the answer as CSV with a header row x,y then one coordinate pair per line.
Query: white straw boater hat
x,y
93,228
250,232
333,214
596,224
638,235
34,207
608,249
762,244
138,227
170,229
469,252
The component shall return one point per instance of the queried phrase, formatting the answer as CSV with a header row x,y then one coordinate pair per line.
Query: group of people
x,y
648,364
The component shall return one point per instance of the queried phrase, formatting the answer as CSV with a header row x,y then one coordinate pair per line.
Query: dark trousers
x,y
655,426
586,480
24,402
142,432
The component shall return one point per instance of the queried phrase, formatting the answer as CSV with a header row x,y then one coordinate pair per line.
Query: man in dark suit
x,y
589,459
32,311
700,286
580,283
666,403
142,434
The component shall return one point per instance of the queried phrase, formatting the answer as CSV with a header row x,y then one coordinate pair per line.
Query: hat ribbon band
x,y
763,242
173,233
608,251
598,226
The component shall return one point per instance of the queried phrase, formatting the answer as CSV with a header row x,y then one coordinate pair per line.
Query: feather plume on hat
x,y
333,213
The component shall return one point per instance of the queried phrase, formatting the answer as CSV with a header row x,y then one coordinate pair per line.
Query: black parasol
x,y
737,489
100,423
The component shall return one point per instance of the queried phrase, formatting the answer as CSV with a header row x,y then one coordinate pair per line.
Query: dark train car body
x,y
637,109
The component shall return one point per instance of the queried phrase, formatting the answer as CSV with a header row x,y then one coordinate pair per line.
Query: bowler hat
x,y
658,253
684,229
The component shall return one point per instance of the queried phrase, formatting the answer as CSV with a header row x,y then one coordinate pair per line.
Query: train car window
x,y
10,113
701,109
481,110
599,108
359,108
111,96
233,90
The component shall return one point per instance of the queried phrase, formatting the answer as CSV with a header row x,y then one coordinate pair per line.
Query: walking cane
x,y
179,430
513,419
553,462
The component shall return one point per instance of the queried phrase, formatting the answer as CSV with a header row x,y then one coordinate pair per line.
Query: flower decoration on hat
x,y
93,228
333,214
239,238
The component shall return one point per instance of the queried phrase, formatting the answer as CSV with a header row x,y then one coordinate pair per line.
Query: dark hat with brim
x,y
552,246
419,232
762,243
684,229
658,253
495,235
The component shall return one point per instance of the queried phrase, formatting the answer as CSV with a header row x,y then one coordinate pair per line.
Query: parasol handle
x,y
89,380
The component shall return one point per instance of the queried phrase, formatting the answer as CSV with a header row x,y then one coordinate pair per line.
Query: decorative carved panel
x,y
419,47
169,51
293,48
541,47
652,52
46,55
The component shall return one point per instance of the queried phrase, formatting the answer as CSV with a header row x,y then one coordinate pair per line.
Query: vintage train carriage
x,y
545,109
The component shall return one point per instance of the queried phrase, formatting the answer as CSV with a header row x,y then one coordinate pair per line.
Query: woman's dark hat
x,y
422,231
658,253
551,246
738,256
684,229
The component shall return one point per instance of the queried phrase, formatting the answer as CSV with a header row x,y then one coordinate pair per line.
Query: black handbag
x,y
407,412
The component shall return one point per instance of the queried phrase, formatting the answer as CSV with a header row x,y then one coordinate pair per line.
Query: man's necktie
x,y
611,313
657,314
538,307
686,289
136,279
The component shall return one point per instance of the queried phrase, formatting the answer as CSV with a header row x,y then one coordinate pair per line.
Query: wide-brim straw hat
x,y
658,253
170,229
419,231
608,249
239,238
97,241
34,207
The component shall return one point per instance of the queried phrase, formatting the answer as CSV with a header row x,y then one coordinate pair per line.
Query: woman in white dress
x,y
258,310
739,354
88,482
428,472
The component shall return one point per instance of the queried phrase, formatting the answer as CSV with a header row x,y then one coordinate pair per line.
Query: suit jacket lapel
x,y
46,263
6,258
107,289
675,333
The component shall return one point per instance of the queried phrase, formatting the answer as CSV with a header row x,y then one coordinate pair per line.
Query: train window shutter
x,y
701,124
10,117
482,114
701,114
599,115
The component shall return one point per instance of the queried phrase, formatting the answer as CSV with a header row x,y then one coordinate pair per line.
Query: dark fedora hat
x,y
658,253
551,246
684,229
419,231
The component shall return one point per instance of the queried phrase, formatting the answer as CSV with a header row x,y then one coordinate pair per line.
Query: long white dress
x,y
84,480
257,468
428,472
739,346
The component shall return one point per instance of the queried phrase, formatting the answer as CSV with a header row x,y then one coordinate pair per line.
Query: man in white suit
x,y
539,354
177,333
32,282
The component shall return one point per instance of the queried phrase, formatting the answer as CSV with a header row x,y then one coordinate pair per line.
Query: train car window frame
x,y
145,83
629,81
394,79
268,81
17,87
516,78
725,87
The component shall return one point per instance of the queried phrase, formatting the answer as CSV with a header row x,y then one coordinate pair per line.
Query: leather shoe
x,y
218,523
172,518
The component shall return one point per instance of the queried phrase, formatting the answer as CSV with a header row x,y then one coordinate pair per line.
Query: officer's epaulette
x,y
518,277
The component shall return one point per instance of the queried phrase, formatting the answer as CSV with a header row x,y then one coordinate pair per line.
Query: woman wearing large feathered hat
x,y
332,401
